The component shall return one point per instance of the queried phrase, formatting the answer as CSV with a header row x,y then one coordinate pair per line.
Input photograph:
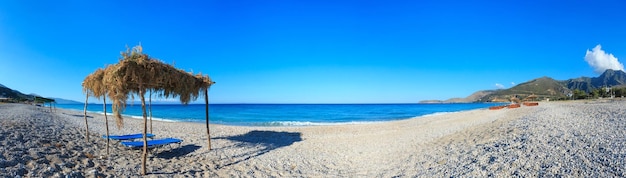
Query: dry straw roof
x,y
135,73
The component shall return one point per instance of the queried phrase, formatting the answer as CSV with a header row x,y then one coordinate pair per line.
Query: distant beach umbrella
x,y
136,73
514,99
43,100
531,97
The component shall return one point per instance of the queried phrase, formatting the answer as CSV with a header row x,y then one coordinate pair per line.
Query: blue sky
x,y
312,51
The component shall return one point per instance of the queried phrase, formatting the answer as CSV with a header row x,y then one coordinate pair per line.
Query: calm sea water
x,y
289,114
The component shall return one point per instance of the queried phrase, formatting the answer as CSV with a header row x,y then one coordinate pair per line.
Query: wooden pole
x,y
206,106
150,104
106,121
145,130
85,116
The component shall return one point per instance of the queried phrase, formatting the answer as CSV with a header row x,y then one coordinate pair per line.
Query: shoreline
x,y
285,123
552,139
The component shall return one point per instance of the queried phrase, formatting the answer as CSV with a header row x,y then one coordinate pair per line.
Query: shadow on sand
x,y
178,152
78,115
260,142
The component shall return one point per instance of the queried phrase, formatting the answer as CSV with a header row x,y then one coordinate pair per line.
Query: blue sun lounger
x,y
127,137
152,143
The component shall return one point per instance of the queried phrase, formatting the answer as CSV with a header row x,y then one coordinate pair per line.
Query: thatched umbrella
x,y
136,73
38,99
92,85
43,100
532,97
514,99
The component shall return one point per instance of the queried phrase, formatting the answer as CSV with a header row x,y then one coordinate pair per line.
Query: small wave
x,y
436,114
307,115
307,123
154,118
140,117
444,113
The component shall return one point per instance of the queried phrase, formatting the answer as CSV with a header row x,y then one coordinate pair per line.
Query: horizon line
x,y
252,103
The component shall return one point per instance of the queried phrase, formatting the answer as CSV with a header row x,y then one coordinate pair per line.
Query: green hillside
x,y
543,88
14,95
548,88
9,95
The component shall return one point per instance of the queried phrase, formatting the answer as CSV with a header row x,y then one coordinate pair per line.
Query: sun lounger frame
x,y
127,137
139,144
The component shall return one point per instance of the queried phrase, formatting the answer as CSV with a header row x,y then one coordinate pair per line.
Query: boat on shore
x,y
496,107
511,106
531,104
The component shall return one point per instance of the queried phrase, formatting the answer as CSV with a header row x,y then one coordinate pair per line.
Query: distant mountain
x,y
17,96
582,83
474,97
545,88
34,94
6,92
610,78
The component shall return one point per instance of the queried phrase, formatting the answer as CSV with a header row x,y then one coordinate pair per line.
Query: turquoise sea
x,y
289,114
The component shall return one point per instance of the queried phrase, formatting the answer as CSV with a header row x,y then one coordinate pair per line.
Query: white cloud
x,y
601,61
499,86
513,83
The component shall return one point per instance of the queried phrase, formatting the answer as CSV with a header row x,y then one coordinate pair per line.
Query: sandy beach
x,y
581,138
